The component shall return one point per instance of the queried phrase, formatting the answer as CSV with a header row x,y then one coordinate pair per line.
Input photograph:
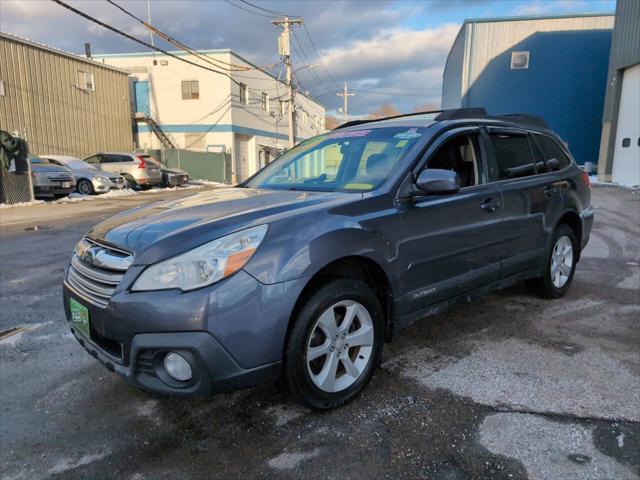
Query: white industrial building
x,y
620,142
243,112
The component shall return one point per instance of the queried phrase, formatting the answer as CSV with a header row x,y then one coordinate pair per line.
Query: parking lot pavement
x,y
507,387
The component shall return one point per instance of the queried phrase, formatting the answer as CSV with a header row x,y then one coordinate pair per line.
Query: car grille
x,y
95,284
117,179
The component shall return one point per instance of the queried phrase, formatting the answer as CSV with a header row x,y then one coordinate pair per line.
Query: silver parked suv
x,y
138,169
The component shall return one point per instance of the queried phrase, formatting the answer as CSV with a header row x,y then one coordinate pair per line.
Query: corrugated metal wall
x,y
625,52
490,39
41,98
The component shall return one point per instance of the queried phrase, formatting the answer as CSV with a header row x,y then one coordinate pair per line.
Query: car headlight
x,y
203,265
100,179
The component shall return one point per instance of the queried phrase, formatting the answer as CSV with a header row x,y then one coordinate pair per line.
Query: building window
x,y
2,88
283,108
244,94
190,89
85,81
519,60
265,102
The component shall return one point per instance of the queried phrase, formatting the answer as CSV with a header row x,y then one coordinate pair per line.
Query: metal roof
x,y
57,51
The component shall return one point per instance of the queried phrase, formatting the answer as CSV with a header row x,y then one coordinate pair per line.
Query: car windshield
x,y
34,159
79,165
349,160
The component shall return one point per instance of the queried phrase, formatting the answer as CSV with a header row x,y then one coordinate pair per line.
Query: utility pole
x,y
285,53
345,97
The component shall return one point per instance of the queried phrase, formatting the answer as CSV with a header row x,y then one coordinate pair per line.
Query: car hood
x,y
170,227
43,167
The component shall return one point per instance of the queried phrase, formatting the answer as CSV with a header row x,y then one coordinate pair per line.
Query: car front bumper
x,y
232,333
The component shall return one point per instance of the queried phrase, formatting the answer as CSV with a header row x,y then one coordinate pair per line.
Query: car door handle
x,y
490,205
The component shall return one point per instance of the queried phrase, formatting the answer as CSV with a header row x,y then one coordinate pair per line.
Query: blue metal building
x,y
555,67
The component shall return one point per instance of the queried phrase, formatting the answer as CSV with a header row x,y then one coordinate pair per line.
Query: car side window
x,y
513,155
55,162
93,159
462,155
554,155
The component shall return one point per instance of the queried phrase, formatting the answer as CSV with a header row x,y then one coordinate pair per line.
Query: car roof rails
x,y
370,120
459,113
456,114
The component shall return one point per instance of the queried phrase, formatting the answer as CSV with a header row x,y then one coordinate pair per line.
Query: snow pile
x,y
594,181
21,204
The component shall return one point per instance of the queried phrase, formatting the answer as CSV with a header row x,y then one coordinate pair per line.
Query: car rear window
x,y
553,154
513,155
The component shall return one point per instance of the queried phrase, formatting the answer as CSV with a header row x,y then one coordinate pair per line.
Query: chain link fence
x,y
15,171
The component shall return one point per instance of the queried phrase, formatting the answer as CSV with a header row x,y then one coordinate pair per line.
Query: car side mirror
x,y
435,181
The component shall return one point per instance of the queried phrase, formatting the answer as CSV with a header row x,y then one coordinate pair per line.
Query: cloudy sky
x,y
388,51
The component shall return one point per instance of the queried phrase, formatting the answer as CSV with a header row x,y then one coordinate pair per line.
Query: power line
x,y
137,40
250,11
315,49
275,12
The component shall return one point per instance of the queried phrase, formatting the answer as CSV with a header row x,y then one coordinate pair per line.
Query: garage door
x,y
626,155
242,161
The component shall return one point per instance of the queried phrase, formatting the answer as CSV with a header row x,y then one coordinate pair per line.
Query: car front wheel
x,y
335,344
85,187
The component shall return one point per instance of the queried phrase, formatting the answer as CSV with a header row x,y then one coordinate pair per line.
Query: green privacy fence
x,y
199,165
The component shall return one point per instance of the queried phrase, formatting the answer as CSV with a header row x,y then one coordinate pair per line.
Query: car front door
x,y
451,243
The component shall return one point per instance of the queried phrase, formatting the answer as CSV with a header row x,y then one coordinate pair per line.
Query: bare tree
x,y
331,122
385,110
426,107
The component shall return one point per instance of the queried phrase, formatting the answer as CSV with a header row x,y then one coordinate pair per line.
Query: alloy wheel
x,y
340,346
561,261
84,187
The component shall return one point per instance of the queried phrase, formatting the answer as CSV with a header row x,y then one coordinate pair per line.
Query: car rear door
x,y
451,243
530,196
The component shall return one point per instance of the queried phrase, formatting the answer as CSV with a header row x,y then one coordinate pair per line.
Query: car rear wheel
x,y
560,265
335,344
85,187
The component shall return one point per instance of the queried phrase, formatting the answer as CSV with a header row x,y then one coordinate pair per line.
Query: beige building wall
x,y
43,101
219,117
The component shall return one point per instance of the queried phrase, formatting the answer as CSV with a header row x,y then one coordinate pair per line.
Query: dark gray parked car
x,y
308,267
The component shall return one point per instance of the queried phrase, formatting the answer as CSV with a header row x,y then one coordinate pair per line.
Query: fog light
x,y
177,367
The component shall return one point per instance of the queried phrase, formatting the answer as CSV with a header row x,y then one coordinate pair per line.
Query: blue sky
x,y
389,51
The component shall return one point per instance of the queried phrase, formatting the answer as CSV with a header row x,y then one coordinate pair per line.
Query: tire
x,y
557,278
311,328
130,182
85,187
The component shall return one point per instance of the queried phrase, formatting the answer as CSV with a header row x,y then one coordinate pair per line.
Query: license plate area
x,y
79,317
66,184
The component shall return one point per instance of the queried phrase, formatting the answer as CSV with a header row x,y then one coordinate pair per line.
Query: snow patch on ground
x,y
516,375
210,183
13,340
594,181
547,449
22,204
292,460
67,464
284,414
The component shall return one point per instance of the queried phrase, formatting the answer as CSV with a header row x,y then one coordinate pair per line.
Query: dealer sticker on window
x,y
408,135
350,134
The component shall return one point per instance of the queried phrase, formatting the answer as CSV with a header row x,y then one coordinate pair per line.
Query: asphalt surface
x,y
508,387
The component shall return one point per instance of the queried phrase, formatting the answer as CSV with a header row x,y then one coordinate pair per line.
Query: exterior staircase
x,y
155,128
